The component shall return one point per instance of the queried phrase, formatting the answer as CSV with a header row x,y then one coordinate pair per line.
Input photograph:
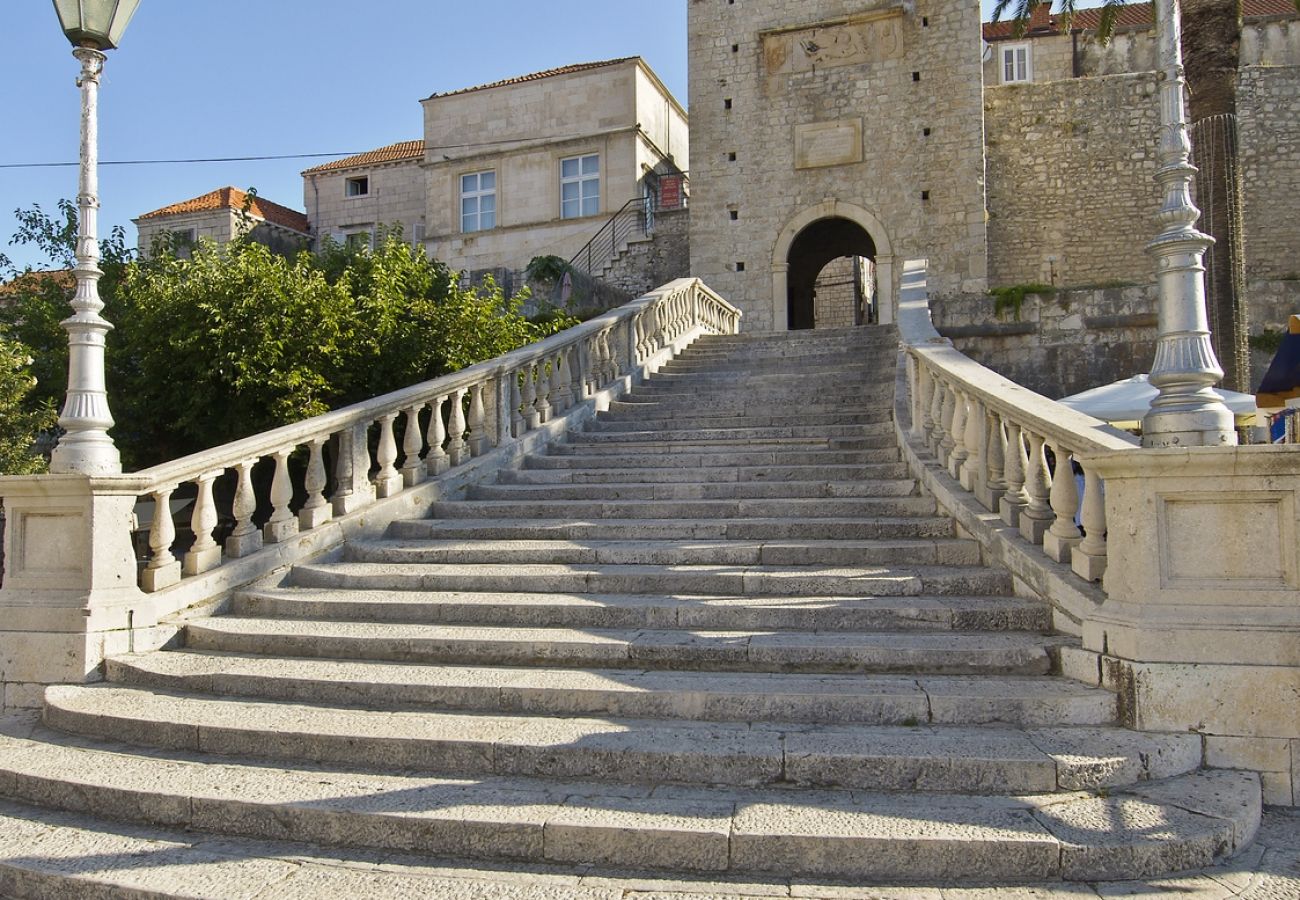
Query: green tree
x,y
236,339
21,420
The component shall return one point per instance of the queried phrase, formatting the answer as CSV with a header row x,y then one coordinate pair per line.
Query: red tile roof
x,y
234,198
403,150
1045,21
35,280
538,76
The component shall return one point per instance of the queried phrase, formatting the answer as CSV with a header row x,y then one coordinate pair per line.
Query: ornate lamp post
x,y
86,449
1186,412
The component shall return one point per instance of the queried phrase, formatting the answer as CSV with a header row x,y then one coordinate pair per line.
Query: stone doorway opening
x,y
831,280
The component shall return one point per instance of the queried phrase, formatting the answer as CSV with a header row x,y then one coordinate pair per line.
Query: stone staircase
x,y
718,631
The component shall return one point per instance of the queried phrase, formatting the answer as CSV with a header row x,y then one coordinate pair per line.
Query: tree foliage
x,y
235,339
22,419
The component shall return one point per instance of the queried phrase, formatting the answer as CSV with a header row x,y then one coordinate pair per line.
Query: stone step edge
x,y
682,695
831,834
969,761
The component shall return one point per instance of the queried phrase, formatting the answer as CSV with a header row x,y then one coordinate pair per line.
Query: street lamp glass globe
x,y
95,23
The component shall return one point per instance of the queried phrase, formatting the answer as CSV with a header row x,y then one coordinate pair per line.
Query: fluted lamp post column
x,y
85,448
1186,412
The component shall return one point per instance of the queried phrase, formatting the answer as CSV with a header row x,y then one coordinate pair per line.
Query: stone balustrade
x,y
374,450
1014,450
76,588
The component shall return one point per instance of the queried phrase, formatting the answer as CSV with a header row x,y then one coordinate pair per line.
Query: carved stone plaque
x,y
864,39
822,144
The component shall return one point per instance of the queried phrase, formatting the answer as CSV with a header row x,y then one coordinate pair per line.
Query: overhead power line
x,y
225,159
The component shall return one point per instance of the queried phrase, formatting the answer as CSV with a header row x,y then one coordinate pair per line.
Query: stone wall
x,y
1057,344
1268,115
1070,191
1068,341
663,257
872,106
837,294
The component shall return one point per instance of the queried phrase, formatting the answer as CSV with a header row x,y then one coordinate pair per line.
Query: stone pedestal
x,y
1201,628
70,592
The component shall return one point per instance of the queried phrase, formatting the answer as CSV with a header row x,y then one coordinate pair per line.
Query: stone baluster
x,y
478,436
437,461
922,396
317,510
205,554
1014,500
562,381
1089,558
352,470
413,471
532,415
457,449
995,455
947,441
518,424
1063,536
388,481
246,539
642,341
934,437
973,476
501,412
543,401
163,569
957,432
282,525
608,357
1037,515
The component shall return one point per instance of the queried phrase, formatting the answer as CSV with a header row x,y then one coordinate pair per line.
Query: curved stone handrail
x,y
999,440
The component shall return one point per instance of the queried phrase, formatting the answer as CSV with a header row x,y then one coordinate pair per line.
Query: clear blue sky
x,y
219,78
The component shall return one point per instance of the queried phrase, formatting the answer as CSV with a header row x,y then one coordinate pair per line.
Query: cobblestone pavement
x,y
48,854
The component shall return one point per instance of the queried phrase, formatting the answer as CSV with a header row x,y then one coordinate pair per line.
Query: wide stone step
x,y
568,456
948,653
865,399
809,508
861,423
653,578
657,415
632,489
700,696
843,367
709,475
1167,825
632,751
941,552
749,529
723,613
861,436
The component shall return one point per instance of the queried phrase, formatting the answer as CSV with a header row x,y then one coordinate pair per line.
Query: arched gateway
x,y
812,240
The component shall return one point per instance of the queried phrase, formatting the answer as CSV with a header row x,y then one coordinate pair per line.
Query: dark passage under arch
x,y
816,246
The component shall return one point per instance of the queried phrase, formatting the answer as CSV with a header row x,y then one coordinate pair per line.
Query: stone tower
x,y
829,128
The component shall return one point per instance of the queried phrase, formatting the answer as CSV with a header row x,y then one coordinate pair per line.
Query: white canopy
x,y
1130,399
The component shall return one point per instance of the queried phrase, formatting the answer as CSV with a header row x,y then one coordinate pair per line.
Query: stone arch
x,y
799,224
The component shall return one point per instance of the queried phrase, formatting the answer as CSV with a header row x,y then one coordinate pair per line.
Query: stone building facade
x,y
354,200
525,167
534,166
830,128
219,216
